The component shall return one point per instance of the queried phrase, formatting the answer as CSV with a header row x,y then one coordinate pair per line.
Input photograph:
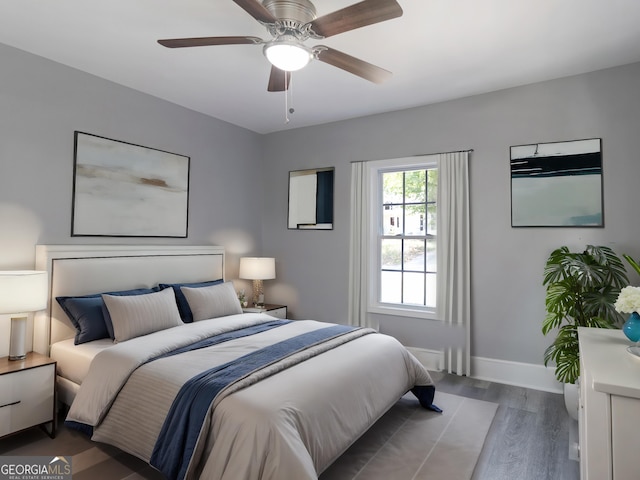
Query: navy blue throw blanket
x,y
207,342
177,440
425,394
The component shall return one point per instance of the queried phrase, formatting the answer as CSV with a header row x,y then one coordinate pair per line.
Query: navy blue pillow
x,y
86,315
90,316
183,305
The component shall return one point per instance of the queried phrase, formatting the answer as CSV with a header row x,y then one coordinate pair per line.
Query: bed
x,y
229,396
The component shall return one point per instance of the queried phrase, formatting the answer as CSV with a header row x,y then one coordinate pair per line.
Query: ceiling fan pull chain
x,y
290,93
286,101
288,96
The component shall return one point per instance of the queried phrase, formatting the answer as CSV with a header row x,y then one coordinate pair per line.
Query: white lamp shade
x,y
257,268
22,291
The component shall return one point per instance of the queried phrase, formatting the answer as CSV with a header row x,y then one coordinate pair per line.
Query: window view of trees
x,y
407,240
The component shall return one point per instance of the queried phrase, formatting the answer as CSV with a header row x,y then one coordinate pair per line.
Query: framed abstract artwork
x,y
557,184
126,190
311,199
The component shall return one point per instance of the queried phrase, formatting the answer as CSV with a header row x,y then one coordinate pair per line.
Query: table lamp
x,y
257,269
21,291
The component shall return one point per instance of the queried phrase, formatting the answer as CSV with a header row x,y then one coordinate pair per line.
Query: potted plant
x,y
581,290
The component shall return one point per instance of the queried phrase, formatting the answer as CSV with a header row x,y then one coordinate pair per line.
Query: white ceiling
x,y
438,50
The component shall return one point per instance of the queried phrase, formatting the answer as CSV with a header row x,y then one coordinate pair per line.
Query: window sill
x,y
403,312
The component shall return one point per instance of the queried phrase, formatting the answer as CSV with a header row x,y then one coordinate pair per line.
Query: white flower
x,y
628,300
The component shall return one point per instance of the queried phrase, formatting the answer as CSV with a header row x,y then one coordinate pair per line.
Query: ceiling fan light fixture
x,y
287,54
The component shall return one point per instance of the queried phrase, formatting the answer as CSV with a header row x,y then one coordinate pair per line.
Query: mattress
x,y
74,360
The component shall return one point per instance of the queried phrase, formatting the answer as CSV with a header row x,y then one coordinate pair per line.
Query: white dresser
x,y
609,420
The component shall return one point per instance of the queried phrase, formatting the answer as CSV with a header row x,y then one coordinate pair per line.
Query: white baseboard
x,y
526,375
431,359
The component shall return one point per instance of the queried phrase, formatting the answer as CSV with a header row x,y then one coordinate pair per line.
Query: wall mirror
x,y
311,199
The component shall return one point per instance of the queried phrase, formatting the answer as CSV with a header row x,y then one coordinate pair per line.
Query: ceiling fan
x,y
291,23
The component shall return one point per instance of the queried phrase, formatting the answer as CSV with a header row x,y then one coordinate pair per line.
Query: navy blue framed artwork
x,y
557,184
311,199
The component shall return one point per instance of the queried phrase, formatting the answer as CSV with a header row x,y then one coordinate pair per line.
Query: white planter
x,y
572,398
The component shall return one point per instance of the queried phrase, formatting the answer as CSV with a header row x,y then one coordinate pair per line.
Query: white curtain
x,y
359,248
453,256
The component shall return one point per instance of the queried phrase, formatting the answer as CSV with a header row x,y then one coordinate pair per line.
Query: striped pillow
x,y
133,316
212,302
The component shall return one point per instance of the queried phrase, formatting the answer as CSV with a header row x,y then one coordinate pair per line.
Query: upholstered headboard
x,y
88,269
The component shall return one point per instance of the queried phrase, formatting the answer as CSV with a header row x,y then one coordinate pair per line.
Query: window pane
x,y
415,191
406,237
432,185
392,219
431,219
431,290
414,255
415,220
391,287
414,288
391,254
392,187
431,256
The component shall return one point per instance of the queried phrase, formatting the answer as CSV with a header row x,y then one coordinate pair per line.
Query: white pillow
x,y
136,315
211,302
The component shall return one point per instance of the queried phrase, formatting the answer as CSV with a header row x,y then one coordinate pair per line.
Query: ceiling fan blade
x,y
355,16
351,64
207,41
279,80
256,10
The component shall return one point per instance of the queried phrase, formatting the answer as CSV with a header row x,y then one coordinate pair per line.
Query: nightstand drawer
x,y
26,398
278,312
272,309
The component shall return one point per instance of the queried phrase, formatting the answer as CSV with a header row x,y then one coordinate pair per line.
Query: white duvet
x,y
291,424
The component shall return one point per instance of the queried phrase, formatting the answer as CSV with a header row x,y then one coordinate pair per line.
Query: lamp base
x,y
258,296
17,350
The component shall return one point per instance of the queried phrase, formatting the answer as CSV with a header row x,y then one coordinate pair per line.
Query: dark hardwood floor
x,y
529,437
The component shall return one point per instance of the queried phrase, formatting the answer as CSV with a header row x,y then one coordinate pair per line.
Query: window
x,y
403,223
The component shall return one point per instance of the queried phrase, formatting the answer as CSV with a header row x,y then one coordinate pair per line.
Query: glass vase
x,y
631,327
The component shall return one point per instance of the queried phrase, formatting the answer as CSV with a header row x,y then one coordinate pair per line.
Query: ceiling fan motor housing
x,y
300,11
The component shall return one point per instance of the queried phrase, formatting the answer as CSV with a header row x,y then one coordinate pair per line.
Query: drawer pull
x,y
9,404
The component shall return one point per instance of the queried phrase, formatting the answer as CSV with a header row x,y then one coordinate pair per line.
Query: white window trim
x,y
374,200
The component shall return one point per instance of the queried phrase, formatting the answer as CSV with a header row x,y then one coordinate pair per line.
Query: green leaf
x,y
564,351
634,264
551,321
554,270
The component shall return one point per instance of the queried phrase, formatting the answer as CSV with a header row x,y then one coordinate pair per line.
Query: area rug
x,y
408,442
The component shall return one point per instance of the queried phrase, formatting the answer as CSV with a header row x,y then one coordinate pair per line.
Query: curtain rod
x,y
442,153
415,155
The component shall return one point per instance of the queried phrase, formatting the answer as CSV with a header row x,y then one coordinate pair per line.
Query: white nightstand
x,y
278,311
27,393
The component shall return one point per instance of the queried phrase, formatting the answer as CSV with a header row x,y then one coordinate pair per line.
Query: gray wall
x,y
42,103
234,172
507,263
